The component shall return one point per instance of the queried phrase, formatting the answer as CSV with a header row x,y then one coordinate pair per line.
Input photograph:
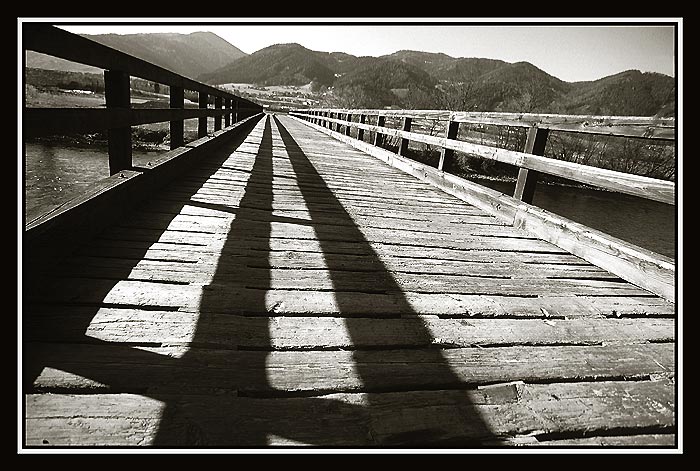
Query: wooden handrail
x,y
645,187
623,126
118,117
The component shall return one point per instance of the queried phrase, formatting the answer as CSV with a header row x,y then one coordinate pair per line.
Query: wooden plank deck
x,y
294,290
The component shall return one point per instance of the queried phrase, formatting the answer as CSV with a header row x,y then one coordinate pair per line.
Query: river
x,y
642,222
55,173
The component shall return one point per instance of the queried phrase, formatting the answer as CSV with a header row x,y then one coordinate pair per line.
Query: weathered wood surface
x,y
273,296
632,263
489,415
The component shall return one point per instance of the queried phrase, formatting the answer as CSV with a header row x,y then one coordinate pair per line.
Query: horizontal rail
x,y
645,187
48,39
637,265
622,126
43,121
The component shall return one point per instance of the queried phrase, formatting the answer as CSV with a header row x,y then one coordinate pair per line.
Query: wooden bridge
x,y
282,280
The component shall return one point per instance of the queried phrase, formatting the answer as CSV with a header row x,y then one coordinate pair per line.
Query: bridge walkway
x,y
293,290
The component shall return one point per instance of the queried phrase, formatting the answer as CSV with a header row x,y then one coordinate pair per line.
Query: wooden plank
x,y
122,292
665,440
131,252
361,216
132,326
369,275
392,419
171,264
400,255
114,367
323,303
351,200
339,227
642,267
281,240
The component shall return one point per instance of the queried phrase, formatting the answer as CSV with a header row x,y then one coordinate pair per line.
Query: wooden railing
x,y
118,116
530,159
638,265
50,236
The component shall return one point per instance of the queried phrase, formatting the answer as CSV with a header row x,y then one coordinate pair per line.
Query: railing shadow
x,y
249,408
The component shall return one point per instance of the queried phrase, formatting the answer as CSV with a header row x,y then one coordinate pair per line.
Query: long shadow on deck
x,y
261,410
194,417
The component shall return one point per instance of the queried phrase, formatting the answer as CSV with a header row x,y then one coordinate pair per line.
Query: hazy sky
x,y
588,50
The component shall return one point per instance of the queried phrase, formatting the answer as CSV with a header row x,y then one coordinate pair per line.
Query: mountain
x,y
446,67
186,54
36,60
517,87
281,64
628,93
385,82
416,79
406,79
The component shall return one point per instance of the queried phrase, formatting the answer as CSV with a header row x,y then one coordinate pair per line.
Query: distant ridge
x,y
186,54
415,79
405,79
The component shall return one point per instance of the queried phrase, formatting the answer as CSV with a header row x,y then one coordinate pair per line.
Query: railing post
x,y
347,128
217,118
202,128
337,125
328,123
378,136
118,95
227,116
235,113
361,132
403,144
177,126
450,133
527,179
